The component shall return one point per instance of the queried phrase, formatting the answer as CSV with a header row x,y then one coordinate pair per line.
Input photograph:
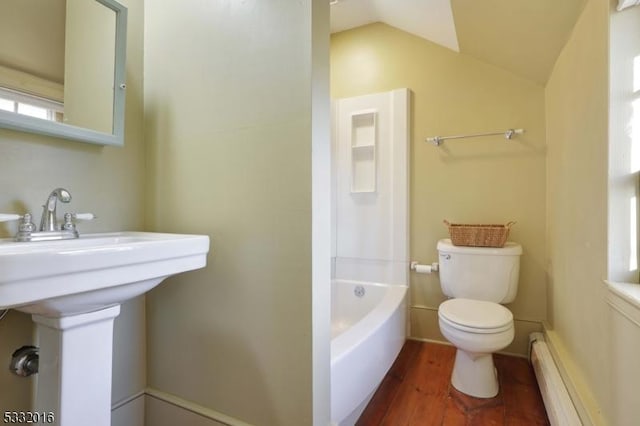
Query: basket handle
x,y
508,225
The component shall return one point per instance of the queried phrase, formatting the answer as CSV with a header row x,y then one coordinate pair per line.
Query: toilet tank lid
x,y
510,249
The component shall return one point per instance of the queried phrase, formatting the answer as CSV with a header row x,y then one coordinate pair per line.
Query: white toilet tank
x,y
480,273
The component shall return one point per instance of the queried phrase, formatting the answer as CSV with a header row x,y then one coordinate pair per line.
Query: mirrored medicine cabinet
x,y
62,68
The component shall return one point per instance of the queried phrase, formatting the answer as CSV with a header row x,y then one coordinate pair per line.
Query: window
x,y
624,147
33,106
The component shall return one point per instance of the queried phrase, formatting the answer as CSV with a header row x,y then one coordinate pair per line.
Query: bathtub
x,y
368,329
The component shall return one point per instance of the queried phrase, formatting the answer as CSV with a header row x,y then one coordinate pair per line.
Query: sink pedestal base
x,y
74,378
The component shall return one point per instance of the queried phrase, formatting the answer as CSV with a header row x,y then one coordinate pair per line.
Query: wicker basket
x,y
478,235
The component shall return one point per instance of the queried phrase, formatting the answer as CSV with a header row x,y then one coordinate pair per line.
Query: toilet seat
x,y
475,316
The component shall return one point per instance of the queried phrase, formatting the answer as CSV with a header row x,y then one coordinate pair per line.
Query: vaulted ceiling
x,y
522,36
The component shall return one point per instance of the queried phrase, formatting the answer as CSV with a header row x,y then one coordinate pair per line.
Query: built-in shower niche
x,y
363,151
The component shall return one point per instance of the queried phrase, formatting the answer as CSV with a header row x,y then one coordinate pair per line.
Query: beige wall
x,y
577,112
486,180
107,181
228,128
32,37
89,66
32,56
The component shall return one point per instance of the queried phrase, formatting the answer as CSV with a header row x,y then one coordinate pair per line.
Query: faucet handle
x,y
9,217
68,224
83,216
26,225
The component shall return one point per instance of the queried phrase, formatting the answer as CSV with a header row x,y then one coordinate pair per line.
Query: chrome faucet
x,y
49,229
49,222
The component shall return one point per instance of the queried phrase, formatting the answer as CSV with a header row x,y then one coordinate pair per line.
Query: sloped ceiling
x,y
521,36
429,19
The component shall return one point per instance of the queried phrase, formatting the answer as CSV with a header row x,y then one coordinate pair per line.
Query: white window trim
x,y
625,298
31,99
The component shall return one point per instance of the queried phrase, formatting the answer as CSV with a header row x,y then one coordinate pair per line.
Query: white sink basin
x,y
67,277
73,289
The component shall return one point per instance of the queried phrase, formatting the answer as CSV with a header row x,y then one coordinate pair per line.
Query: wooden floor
x,y
417,391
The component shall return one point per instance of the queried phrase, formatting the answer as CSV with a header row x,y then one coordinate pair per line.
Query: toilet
x,y
478,280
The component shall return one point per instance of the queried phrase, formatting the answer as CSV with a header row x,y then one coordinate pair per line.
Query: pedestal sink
x,y
73,290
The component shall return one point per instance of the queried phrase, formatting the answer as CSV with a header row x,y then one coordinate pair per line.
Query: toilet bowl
x,y
476,328
478,280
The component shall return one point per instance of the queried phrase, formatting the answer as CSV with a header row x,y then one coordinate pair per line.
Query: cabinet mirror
x,y
62,68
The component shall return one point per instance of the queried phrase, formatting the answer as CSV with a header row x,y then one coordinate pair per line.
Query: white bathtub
x,y
367,333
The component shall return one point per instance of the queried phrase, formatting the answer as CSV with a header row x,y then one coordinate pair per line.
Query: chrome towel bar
x,y
508,134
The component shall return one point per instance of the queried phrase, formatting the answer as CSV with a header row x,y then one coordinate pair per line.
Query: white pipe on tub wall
x,y
557,402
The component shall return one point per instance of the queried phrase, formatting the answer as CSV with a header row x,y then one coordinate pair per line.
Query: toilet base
x,y
475,374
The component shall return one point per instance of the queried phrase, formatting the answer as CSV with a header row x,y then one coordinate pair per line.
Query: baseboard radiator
x,y
557,402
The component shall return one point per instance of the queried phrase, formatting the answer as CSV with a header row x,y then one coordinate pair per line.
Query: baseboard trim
x,y
424,339
582,398
194,408
125,401
444,342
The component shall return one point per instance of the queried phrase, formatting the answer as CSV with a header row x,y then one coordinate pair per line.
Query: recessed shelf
x,y
363,151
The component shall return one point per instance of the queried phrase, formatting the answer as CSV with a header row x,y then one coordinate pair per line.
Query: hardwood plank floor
x,y
417,391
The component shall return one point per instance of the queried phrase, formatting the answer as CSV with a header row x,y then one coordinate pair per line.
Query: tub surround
x,y
370,187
